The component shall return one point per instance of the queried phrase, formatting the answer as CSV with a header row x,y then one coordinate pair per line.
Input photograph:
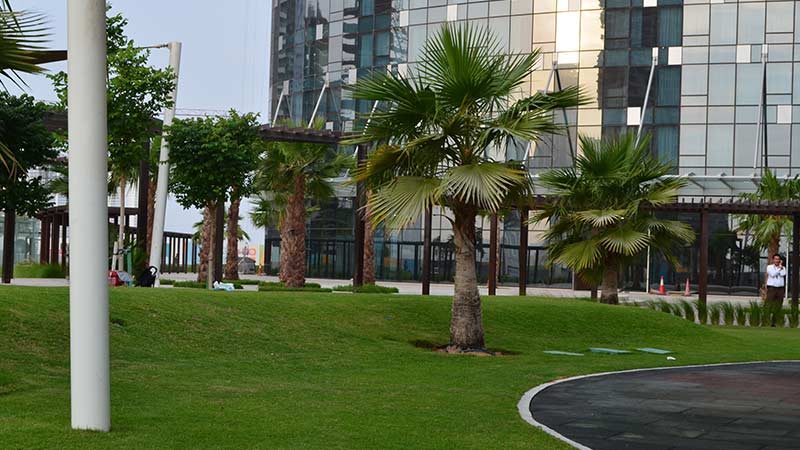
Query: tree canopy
x,y
22,130
211,156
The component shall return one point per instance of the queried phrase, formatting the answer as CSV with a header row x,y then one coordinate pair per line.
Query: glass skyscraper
x,y
724,100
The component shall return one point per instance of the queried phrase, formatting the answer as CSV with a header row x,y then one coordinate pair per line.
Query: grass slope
x,y
246,370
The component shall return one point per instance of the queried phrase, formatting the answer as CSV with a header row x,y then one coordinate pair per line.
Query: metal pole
x,y
523,251
88,212
703,270
493,255
359,231
795,262
426,251
278,107
647,94
141,215
160,211
764,53
316,107
9,232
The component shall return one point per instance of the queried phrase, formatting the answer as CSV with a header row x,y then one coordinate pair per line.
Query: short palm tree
x,y
464,99
298,171
601,215
767,230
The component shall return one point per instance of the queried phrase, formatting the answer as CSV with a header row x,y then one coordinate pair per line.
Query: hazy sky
x,y
224,61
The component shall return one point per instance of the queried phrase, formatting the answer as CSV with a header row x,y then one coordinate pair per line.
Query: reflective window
x,y
723,24
748,84
694,80
695,19
780,17
720,146
751,23
722,88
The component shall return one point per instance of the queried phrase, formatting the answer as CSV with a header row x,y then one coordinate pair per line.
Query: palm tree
x,y
298,171
438,128
22,38
602,216
767,230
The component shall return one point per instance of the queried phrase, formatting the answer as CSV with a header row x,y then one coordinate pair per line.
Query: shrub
x,y
243,282
688,310
198,285
740,311
702,311
728,313
714,313
167,282
263,288
756,314
34,270
794,317
368,289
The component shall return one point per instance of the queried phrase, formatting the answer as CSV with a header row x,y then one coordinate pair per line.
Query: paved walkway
x,y
732,407
445,289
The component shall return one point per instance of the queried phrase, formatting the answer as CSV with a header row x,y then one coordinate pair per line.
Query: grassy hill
x,y
245,370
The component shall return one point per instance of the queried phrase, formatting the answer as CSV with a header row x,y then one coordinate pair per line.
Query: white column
x,y
88,211
160,210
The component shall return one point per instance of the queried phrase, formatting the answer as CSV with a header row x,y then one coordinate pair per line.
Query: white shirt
x,y
775,276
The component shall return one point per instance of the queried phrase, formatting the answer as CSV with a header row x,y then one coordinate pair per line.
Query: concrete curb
x,y
524,404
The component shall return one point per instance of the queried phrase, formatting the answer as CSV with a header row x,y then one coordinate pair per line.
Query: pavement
x,y
752,406
444,289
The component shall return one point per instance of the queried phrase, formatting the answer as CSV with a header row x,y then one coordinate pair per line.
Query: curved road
x,y
733,407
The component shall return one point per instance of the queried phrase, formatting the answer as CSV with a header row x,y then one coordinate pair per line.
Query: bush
x,y
794,317
33,270
263,288
728,313
756,314
243,282
688,310
167,282
714,313
702,311
279,284
741,315
367,289
198,285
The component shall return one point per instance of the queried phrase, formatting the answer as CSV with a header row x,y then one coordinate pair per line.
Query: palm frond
x,y
403,200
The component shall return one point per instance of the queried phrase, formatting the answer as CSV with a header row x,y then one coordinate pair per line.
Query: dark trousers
x,y
773,304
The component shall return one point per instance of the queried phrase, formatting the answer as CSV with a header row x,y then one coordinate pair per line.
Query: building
x,y
724,101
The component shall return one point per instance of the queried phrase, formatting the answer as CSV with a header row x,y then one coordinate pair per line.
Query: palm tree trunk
x,y
610,287
369,247
121,232
232,258
466,323
284,232
151,210
207,236
295,271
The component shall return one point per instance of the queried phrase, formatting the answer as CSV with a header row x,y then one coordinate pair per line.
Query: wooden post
x,y
64,248
9,232
44,241
359,231
426,251
141,216
54,235
703,275
523,251
493,255
795,269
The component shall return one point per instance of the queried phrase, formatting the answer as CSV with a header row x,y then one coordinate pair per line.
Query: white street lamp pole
x,y
88,211
160,212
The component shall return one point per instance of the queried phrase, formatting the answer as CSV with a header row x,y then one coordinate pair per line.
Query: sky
x,y
224,60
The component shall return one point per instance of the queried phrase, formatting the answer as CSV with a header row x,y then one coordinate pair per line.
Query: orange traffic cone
x,y
687,292
661,290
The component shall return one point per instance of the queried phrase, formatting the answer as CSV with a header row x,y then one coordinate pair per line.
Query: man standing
x,y
776,276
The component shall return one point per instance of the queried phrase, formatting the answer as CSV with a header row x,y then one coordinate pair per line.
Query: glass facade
x,y
721,69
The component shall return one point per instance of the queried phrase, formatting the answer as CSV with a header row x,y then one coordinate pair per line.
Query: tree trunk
x,y
284,232
295,272
206,238
232,258
466,324
151,210
121,232
369,247
610,288
9,238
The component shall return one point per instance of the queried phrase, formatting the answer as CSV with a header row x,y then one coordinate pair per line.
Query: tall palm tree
x,y
22,38
439,126
767,230
602,216
298,171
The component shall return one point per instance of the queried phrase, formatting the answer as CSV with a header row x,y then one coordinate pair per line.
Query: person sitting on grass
x,y
776,280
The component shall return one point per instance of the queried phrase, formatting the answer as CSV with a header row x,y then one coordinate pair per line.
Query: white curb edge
x,y
523,406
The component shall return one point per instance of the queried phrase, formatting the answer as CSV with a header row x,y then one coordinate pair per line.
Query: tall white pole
x,y
88,212
160,212
653,63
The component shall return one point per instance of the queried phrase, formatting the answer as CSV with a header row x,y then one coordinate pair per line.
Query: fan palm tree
x,y
298,171
767,230
22,38
439,126
602,216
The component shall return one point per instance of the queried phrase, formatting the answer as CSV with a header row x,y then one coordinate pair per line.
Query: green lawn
x,y
289,370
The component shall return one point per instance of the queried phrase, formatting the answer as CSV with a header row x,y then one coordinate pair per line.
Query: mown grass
x,y
291,370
